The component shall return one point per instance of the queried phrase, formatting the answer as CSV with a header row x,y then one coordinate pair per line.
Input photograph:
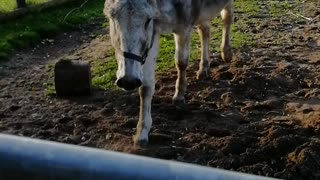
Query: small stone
x,y
108,136
35,115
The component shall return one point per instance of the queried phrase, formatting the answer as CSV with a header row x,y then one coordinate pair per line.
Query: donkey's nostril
x,y
128,84
120,83
138,83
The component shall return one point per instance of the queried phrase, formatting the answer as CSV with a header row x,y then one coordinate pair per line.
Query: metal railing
x,y
27,158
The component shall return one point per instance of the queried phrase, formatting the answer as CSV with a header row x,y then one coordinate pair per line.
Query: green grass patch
x,y
7,6
28,30
50,90
281,8
247,6
33,2
166,53
104,72
10,5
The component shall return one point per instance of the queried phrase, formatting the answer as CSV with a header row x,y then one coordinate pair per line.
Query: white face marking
x,y
126,67
131,30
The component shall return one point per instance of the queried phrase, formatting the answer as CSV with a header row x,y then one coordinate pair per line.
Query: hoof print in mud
x,y
72,78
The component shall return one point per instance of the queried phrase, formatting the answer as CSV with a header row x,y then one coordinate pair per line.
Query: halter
x,y
141,59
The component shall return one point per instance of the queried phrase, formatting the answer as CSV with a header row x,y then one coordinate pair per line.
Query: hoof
x,y
202,74
139,142
226,55
178,101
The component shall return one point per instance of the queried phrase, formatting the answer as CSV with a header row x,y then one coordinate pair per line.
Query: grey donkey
x,y
135,29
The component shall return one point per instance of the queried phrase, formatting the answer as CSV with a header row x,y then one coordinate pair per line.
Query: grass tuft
x,y
28,30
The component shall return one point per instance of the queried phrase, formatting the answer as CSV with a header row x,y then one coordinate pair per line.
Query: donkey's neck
x,y
169,20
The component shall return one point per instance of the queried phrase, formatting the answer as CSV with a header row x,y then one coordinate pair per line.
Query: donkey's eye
x,y
147,23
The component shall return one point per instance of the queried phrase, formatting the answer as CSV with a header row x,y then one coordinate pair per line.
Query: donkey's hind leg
x,y
227,18
204,32
182,41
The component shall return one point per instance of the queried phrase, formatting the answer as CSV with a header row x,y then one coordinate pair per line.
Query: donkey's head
x,y
131,31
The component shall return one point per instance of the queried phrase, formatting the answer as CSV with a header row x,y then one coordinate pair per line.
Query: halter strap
x,y
141,59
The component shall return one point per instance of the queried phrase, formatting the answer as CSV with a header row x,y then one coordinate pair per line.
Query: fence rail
x,y
27,158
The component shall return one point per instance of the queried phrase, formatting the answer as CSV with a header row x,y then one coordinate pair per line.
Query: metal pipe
x,y
27,158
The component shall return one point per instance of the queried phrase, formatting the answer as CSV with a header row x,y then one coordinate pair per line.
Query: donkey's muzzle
x,y
128,83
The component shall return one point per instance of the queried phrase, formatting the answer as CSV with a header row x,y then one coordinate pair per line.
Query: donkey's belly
x,y
211,9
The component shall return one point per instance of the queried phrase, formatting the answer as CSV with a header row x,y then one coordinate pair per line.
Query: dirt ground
x,y
259,114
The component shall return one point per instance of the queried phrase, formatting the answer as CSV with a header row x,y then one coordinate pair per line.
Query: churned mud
x,y
258,114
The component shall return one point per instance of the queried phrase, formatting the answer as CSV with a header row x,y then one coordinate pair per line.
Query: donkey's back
x,y
180,13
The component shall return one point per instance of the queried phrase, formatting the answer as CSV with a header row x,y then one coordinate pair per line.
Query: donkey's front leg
x,y
146,92
145,120
182,42
227,18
